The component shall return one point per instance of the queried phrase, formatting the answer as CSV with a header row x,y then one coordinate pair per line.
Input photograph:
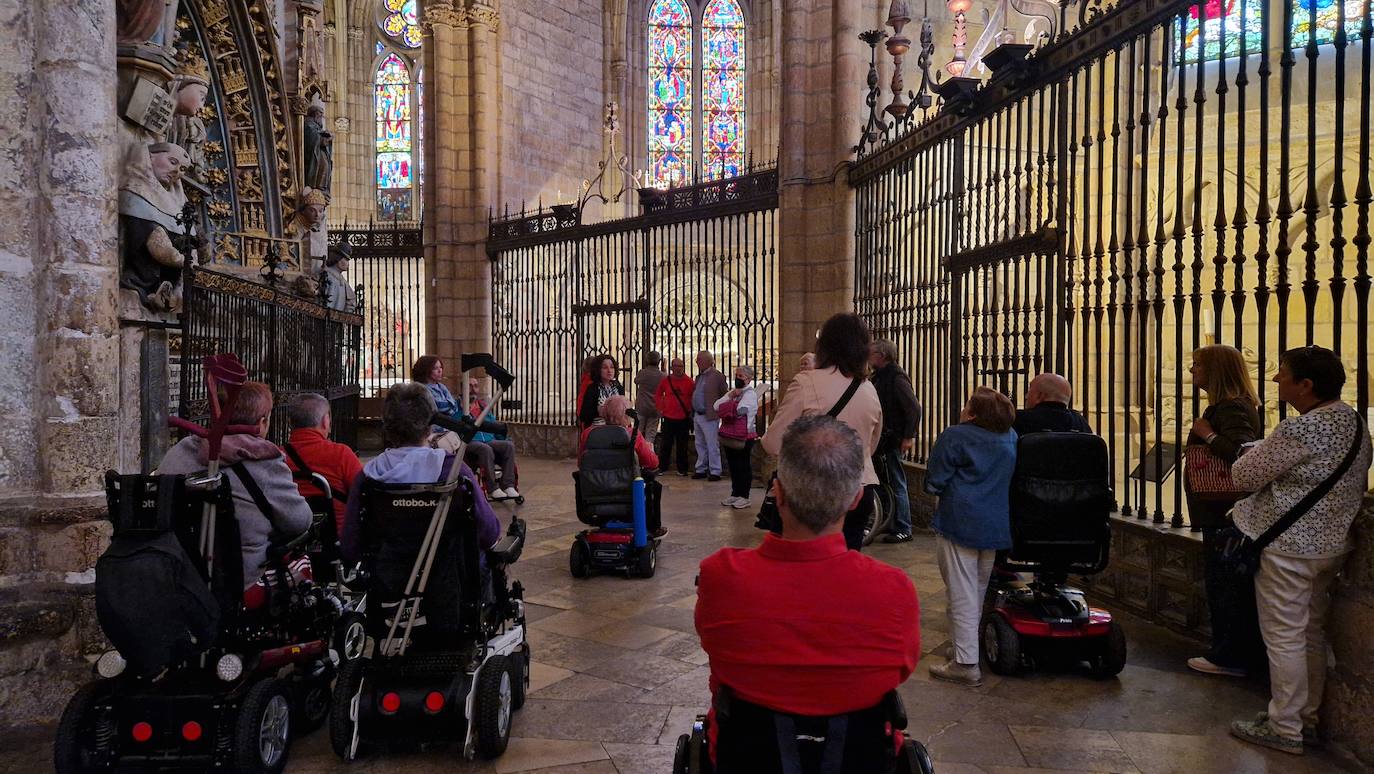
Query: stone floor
x,y
618,674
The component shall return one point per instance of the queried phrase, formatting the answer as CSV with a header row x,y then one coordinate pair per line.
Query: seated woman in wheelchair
x,y
616,413
409,459
267,505
801,628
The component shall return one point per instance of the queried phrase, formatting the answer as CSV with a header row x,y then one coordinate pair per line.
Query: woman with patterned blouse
x,y
1293,586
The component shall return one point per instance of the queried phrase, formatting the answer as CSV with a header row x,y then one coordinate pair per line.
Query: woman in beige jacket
x,y
841,358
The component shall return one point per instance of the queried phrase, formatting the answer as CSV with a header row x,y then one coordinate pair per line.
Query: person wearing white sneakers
x,y
737,409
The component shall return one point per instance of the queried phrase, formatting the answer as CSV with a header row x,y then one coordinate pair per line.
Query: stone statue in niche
x,y
338,293
319,149
309,222
152,233
146,21
189,91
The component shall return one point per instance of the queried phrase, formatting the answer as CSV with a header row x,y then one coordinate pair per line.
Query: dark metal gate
x,y
388,266
696,270
1146,182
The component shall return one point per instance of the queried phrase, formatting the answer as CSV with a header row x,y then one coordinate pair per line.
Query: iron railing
x,y
1127,193
696,271
292,344
388,264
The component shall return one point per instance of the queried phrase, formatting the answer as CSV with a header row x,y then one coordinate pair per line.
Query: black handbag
x,y
1239,554
769,519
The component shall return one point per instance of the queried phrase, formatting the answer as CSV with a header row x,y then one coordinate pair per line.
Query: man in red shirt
x,y
673,399
309,448
801,624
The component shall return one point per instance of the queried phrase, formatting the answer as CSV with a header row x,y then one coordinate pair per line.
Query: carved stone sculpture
x,y
150,205
309,222
319,149
137,20
189,91
338,293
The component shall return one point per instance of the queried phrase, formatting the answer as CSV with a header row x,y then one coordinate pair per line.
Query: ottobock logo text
x,y
410,503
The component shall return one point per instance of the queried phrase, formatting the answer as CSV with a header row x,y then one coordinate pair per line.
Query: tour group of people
x,y
804,622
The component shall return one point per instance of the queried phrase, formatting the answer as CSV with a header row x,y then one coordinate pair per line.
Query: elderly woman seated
x,y
615,413
409,459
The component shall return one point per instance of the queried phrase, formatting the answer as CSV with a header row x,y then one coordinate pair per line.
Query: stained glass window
x,y
395,165
670,93
1327,20
1227,24
399,20
722,77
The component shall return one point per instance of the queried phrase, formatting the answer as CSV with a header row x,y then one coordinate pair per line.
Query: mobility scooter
x,y
197,681
449,660
1061,500
615,501
868,741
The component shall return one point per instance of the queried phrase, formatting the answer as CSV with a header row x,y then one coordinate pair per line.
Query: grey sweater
x,y
292,513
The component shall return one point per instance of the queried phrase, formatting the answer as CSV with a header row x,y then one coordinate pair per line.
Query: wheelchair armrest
x,y
508,549
896,711
278,549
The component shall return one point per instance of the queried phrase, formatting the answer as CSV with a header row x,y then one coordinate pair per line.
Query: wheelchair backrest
x,y
758,740
1061,500
395,519
608,466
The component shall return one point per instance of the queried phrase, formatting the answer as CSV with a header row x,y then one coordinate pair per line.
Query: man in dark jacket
x,y
901,414
1047,408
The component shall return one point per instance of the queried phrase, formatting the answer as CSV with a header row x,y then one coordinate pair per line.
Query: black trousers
x,y
741,469
857,519
1236,640
674,432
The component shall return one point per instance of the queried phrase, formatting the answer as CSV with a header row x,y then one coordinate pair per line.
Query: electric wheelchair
x,y
222,686
752,739
618,504
1061,500
448,659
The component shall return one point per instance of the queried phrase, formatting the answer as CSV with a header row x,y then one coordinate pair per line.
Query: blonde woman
x,y
1230,420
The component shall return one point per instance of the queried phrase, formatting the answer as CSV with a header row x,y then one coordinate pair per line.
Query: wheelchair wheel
x,y
647,561
81,733
579,559
310,708
1001,645
519,676
1111,659
682,759
350,637
263,736
343,724
914,759
495,697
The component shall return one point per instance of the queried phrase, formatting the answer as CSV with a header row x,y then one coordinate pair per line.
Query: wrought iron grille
x,y
697,270
1129,192
292,344
388,264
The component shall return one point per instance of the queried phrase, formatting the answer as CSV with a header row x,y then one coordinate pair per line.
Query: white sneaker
x,y
511,493
729,501
740,503
497,494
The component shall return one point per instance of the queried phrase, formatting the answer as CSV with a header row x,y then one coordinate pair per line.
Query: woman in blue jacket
x,y
970,470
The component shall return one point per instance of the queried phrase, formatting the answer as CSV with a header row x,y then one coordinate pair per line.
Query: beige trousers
x,y
1293,595
966,572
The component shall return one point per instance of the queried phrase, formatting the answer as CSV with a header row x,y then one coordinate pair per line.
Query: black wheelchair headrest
x,y
608,437
1065,456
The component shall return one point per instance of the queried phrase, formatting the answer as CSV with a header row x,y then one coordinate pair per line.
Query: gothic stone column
x,y
460,148
820,104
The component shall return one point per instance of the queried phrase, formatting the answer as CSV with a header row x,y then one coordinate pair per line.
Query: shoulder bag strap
x,y
304,473
844,399
1306,503
680,401
254,491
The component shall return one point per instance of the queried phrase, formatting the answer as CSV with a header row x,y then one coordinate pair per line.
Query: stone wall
x,y
552,99
1348,708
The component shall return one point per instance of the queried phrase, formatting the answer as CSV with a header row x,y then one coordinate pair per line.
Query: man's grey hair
x,y
652,359
820,466
306,410
706,353
406,413
749,372
887,349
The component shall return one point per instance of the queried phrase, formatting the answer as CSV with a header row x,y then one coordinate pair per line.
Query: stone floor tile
x,y
975,743
1185,753
587,687
573,623
525,754
571,652
642,670
590,721
679,722
543,675
641,758
628,635
690,690
683,647
1072,748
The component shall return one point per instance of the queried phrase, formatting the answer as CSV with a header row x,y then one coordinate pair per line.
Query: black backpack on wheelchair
x,y
752,739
